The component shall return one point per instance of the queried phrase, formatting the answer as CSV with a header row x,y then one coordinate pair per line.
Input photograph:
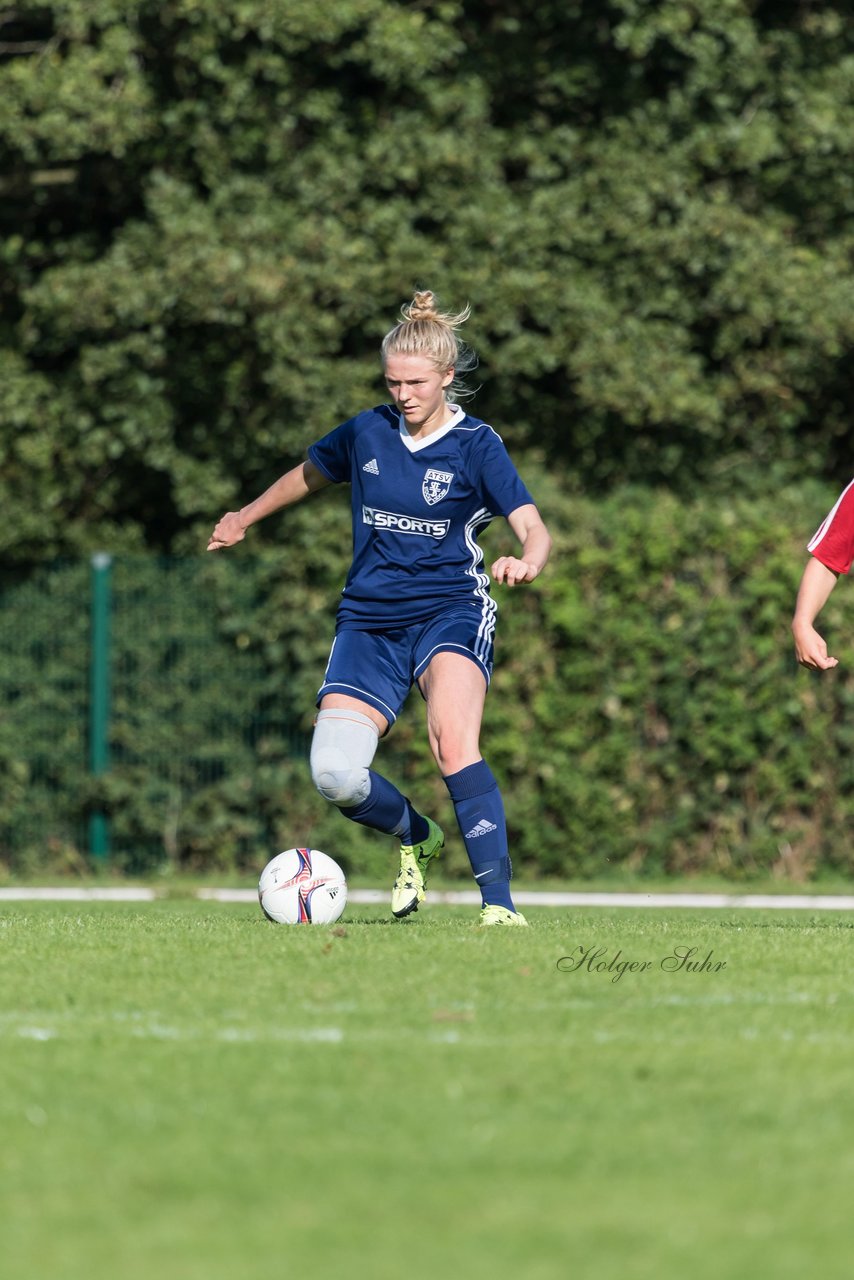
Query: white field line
x,y
75,894
545,898
470,897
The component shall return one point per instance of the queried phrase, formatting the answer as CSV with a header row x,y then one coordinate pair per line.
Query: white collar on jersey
x,y
414,445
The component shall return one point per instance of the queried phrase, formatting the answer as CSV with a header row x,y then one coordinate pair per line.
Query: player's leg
x,y
346,735
454,687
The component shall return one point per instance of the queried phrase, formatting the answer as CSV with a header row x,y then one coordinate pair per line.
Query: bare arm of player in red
x,y
527,524
289,488
816,585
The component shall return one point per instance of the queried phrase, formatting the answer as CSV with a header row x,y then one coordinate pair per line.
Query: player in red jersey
x,y
832,550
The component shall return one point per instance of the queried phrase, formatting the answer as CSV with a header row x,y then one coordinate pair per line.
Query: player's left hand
x,y
513,572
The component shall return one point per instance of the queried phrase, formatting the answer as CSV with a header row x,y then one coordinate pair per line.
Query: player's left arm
x,y
527,524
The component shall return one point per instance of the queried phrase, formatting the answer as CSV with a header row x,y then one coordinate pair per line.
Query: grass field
x,y
190,1093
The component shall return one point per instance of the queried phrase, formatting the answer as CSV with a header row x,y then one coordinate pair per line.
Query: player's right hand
x,y
228,531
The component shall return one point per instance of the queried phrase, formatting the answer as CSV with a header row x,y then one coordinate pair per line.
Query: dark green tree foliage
x,y
211,213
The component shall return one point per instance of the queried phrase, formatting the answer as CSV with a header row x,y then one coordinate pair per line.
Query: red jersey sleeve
x,y
833,541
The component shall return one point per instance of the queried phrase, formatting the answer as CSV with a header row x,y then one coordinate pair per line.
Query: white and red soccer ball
x,y
302,886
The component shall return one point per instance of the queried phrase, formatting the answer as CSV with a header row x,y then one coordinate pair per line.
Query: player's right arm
x,y
294,485
817,583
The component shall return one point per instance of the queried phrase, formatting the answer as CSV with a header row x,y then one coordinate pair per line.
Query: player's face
x,y
418,390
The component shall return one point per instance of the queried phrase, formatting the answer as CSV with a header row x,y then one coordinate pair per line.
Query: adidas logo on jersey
x,y
483,828
371,467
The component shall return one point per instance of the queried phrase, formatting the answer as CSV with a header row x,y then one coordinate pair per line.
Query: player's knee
x,y
343,787
342,749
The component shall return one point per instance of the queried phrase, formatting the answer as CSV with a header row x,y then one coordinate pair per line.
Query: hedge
x,y
646,709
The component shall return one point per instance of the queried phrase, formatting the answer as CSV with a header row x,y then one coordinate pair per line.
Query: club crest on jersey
x,y
435,485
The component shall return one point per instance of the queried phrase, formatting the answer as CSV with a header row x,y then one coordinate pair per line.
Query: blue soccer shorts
x,y
380,667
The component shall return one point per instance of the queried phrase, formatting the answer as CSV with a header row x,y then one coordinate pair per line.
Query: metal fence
x,y
126,696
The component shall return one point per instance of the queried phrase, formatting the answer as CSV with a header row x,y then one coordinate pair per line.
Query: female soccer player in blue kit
x,y
426,478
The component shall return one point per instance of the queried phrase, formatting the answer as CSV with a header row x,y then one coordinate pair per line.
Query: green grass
x,y
190,1093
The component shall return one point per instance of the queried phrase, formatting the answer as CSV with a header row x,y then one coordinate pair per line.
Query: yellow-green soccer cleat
x,y
408,889
500,915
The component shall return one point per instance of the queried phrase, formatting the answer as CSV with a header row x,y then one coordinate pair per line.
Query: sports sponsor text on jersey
x,y
399,523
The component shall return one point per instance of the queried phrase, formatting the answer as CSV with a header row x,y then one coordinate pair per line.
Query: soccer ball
x,y
302,886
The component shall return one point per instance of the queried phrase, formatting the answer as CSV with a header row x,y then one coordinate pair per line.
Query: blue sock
x,y
386,809
480,815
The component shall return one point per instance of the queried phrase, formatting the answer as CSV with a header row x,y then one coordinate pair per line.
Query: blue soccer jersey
x,y
418,508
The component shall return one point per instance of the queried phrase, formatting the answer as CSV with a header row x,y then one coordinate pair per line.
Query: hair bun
x,y
422,307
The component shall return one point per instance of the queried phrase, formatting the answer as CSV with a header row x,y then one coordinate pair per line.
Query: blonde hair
x,y
424,330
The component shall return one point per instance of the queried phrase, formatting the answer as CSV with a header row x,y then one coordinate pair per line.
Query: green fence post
x,y
99,694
